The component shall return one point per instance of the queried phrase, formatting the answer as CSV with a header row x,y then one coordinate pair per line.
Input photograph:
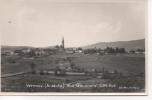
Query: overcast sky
x,y
42,23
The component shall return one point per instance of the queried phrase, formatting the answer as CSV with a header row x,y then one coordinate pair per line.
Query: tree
x,y
79,48
90,51
114,50
109,50
132,51
32,66
122,50
57,46
32,53
140,50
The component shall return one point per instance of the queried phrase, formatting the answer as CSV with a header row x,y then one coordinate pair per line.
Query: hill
x,y
12,48
128,45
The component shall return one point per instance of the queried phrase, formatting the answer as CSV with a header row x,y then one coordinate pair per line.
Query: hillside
x,y
12,48
128,45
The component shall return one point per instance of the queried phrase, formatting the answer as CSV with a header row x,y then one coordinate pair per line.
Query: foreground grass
x,y
128,65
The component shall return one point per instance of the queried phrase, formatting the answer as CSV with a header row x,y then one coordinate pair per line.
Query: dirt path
x,y
12,74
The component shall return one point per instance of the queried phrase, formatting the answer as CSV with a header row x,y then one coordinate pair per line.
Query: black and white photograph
x,y
73,47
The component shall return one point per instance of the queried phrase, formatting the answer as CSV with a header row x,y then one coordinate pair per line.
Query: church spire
x,y
63,42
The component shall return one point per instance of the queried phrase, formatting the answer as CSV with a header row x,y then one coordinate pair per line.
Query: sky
x,y
42,23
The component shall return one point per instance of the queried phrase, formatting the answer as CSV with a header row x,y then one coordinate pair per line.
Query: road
x,y
12,74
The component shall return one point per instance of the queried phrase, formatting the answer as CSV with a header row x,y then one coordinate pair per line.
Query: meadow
x,y
129,65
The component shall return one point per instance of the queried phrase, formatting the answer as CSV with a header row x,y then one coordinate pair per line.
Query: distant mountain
x,y
128,45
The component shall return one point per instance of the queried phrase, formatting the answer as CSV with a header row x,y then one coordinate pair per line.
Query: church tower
x,y
63,42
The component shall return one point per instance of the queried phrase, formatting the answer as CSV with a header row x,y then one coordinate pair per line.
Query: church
x,y
62,43
63,49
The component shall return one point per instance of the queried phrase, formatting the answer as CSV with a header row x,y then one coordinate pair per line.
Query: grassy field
x,y
123,63
126,64
14,64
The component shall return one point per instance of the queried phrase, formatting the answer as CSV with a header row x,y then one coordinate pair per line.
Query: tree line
x,y
112,50
106,50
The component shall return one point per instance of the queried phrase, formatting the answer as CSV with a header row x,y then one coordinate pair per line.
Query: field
x,y
132,68
122,63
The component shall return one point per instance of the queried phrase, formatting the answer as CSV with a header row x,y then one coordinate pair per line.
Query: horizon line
x,y
69,46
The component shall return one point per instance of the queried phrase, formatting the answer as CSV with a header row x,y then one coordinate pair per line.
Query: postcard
x,y
73,47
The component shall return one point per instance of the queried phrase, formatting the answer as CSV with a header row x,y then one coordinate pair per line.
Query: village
x,y
64,64
59,64
38,52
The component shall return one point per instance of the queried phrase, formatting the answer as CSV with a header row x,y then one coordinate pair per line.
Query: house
x,y
69,50
25,51
39,52
18,52
78,51
7,53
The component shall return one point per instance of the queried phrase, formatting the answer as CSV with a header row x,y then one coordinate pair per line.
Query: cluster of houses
x,y
39,51
29,51
61,49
